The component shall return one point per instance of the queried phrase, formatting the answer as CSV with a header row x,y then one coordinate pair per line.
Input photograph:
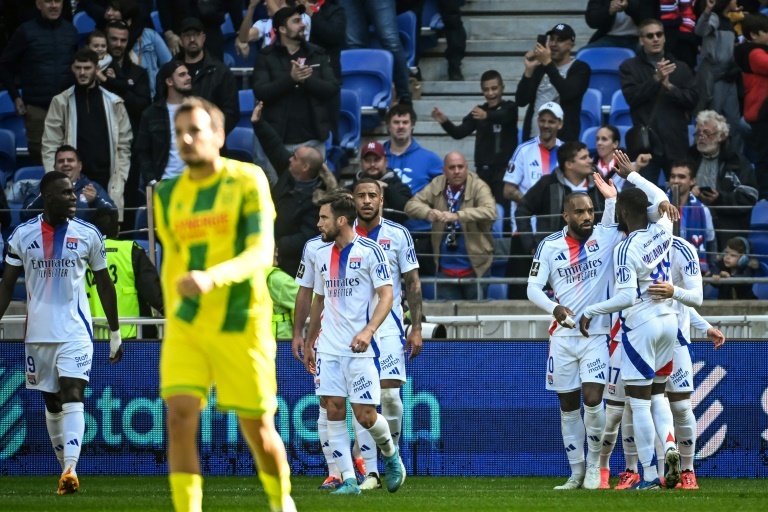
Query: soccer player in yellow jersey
x,y
215,221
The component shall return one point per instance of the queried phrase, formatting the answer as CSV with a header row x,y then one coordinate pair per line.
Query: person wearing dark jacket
x,y
40,51
547,197
211,79
616,21
723,177
302,181
373,163
655,76
295,81
211,14
551,74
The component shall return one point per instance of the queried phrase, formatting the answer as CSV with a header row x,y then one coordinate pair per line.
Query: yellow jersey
x,y
224,225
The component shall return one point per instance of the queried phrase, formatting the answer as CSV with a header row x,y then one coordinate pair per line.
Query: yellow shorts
x,y
241,366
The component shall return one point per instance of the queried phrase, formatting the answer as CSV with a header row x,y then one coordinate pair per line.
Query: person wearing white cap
x,y
552,74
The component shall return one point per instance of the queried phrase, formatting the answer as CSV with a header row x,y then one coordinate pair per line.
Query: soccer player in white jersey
x,y
351,272
687,291
576,263
54,250
649,329
397,244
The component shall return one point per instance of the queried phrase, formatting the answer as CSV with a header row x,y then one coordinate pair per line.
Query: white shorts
x,y
614,387
392,358
353,377
46,362
681,380
647,350
574,360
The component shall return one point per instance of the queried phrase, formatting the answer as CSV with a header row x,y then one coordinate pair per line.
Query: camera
x,y
451,242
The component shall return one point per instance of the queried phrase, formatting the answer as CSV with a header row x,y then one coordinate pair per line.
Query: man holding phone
x,y
552,74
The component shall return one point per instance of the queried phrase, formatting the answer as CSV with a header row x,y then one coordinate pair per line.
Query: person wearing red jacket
x,y
752,58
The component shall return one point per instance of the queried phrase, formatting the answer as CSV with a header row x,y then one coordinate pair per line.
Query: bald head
x,y
305,164
314,159
455,169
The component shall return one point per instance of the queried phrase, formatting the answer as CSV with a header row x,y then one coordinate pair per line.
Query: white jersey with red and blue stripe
x,y
348,279
397,244
305,275
55,260
579,273
640,261
686,273
528,164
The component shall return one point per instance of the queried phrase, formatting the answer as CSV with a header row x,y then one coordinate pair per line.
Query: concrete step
x,y
466,88
523,6
523,27
510,67
479,47
453,107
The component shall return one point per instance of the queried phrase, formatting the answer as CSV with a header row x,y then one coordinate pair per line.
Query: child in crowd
x,y
97,41
736,263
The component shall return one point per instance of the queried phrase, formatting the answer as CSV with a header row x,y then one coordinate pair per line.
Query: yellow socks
x,y
187,492
276,487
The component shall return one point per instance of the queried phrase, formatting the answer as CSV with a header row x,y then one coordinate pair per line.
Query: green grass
x,y
421,494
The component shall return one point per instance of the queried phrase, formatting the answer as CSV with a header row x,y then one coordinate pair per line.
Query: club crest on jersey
x,y
71,243
31,379
410,256
382,271
355,262
622,275
592,246
385,243
692,269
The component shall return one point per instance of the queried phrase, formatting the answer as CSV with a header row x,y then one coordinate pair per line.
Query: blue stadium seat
x,y
605,68
589,137
406,26
84,24
428,291
10,121
15,216
7,155
623,129
759,241
240,144
369,73
591,109
156,22
140,223
760,215
349,119
761,289
229,60
498,291
144,244
229,32
246,108
29,173
619,110
691,134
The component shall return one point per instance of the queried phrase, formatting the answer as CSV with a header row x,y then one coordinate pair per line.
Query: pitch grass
x,y
146,494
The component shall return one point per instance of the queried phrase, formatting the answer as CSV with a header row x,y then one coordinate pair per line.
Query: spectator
x,y
40,51
211,79
534,158
156,154
282,290
91,196
718,72
736,263
373,164
302,181
16,12
134,275
616,21
209,13
752,58
124,78
496,124
262,30
5,216
382,15
97,41
547,197
88,116
552,75
295,81
461,208
679,20
723,177
695,218
656,81
608,141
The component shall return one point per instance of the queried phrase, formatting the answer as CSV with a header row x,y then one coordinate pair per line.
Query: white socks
x,y
53,422
338,438
628,438
685,431
573,439
380,433
322,433
72,428
367,447
613,414
644,434
662,420
594,425
392,410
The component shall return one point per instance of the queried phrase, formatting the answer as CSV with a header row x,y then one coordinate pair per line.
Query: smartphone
x,y
708,190
541,39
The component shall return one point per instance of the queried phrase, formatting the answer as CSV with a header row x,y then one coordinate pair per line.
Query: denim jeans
x,y
381,14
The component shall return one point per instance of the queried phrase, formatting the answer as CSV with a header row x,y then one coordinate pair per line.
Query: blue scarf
x,y
693,228
454,201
